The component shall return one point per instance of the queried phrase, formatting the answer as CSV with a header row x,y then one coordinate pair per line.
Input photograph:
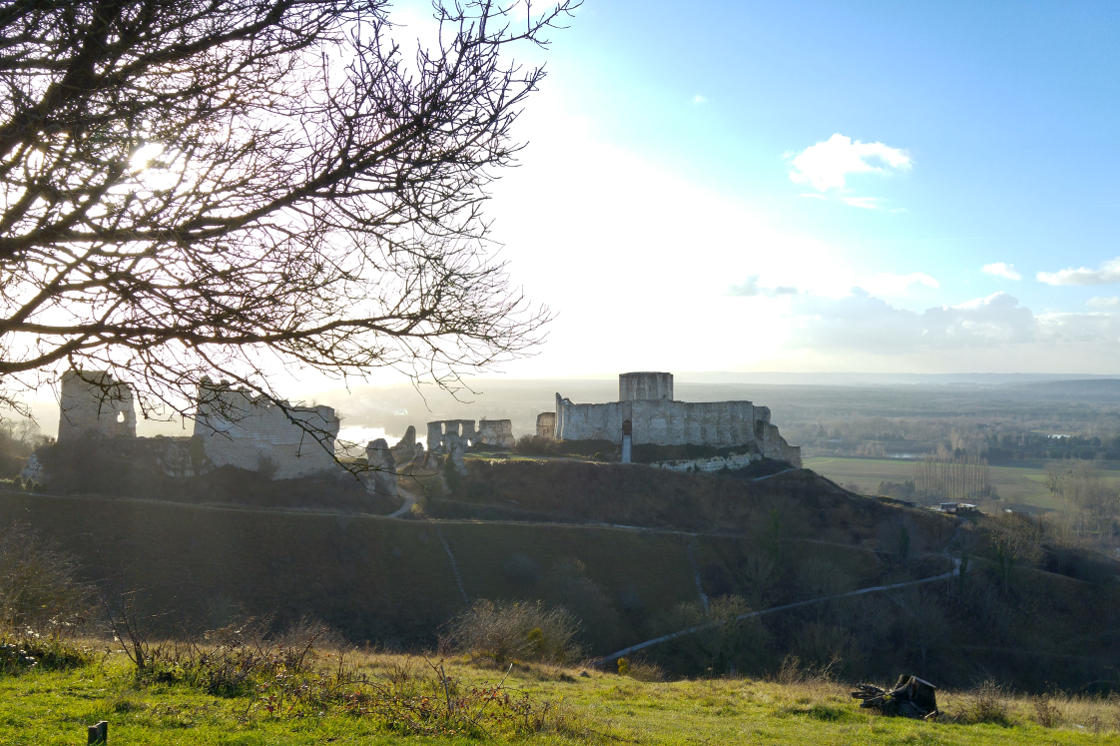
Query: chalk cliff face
x,y
658,420
238,429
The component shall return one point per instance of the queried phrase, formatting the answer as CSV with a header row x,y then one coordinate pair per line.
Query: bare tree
x,y
194,188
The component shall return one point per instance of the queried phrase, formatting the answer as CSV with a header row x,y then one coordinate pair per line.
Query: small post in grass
x,y
99,734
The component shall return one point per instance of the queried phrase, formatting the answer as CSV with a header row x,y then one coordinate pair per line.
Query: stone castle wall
x,y
673,423
667,423
496,433
250,432
442,434
645,401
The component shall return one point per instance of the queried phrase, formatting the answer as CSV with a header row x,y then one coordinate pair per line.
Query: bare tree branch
x,y
191,188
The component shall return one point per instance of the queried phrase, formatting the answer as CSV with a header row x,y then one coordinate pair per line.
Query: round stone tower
x,y
641,386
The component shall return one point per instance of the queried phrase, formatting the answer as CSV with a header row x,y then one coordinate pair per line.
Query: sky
x,y
816,187
821,186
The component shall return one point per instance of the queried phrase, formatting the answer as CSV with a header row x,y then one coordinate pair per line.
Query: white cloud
x,y
1108,272
1099,302
751,288
863,323
826,165
1091,328
699,99
888,283
1001,269
866,203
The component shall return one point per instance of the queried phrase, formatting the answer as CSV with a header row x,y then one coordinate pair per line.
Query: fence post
x,y
99,734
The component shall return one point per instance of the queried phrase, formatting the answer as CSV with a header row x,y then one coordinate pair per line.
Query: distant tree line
x,y
960,477
944,477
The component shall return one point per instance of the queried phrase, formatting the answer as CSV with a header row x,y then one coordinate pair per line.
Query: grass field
x,y
1014,484
392,699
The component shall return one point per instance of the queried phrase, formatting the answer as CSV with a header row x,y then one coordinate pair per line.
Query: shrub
x,y
20,653
233,661
988,705
1046,713
640,670
38,585
516,631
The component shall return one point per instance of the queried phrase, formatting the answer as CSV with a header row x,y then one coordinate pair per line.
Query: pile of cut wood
x,y
910,697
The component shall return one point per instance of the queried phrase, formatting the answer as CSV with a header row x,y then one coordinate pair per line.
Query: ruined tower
x,y
93,403
645,386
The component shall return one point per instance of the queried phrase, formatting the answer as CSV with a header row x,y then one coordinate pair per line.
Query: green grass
x,y
1014,484
570,707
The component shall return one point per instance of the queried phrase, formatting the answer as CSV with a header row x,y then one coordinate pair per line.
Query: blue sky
x,y
823,186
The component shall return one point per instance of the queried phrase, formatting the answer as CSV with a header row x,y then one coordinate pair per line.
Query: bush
x,y
232,661
524,631
32,651
989,705
38,585
1046,713
640,670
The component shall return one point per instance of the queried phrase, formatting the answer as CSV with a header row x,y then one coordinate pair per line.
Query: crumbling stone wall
x,y
407,451
496,433
443,433
284,441
93,403
382,477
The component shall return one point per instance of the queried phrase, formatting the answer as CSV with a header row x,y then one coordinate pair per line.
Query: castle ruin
x,y
645,403
496,433
546,425
251,432
93,403
444,434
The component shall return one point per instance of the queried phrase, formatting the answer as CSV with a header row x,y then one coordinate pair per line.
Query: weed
x,y
1046,713
793,671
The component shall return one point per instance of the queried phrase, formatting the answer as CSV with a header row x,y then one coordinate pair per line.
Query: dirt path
x,y
774,609
406,508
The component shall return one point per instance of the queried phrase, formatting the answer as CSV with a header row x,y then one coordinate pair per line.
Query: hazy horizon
x,y
369,409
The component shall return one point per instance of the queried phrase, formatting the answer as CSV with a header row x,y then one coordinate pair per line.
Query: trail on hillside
x,y
784,607
454,565
405,509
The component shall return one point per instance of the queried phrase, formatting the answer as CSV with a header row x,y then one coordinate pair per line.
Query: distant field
x,y
1014,484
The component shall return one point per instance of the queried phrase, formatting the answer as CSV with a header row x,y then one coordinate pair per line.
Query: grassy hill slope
x,y
382,699
635,553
